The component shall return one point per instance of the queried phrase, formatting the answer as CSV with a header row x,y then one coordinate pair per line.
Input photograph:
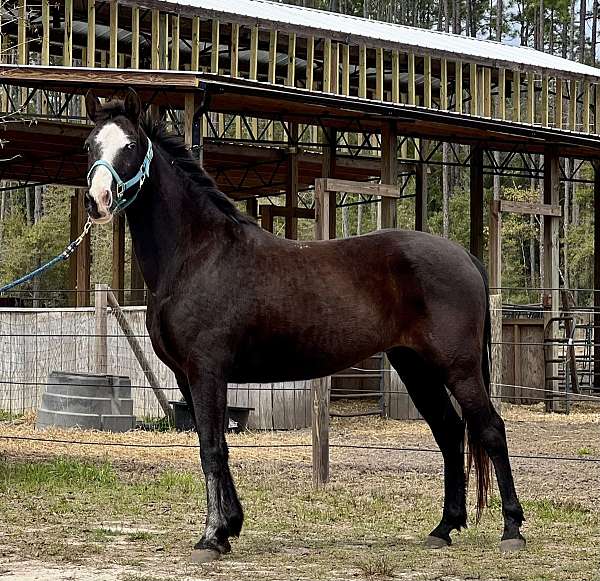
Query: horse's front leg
x,y
224,512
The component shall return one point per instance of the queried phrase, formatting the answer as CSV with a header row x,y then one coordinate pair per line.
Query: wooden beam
x,y
68,40
551,266
421,217
495,247
291,191
389,174
530,97
487,91
195,62
327,65
335,67
362,71
101,329
137,280
345,69
444,84
254,52
118,257
545,101
22,42
476,201
188,119
291,64
395,76
427,81
516,96
534,208
135,37
387,190
412,93
501,111
458,82
214,47
272,56
473,89
558,103
572,104
113,32
175,42
235,50
586,107
83,253
164,42
328,171
379,79
310,62
155,40
45,56
320,431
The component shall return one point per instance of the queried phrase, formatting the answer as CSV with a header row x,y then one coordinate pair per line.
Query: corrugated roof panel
x,y
442,42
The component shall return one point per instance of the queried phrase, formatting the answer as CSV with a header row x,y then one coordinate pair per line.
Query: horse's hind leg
x,y
486,429
429,395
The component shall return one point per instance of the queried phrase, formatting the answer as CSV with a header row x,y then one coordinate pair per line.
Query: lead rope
x,y
64,255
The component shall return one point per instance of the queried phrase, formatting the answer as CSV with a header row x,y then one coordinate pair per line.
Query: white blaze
x,y
110,139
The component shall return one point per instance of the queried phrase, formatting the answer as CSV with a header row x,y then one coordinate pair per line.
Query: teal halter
x,y
120,202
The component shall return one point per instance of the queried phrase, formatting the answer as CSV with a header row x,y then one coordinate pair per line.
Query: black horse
x,y
230,302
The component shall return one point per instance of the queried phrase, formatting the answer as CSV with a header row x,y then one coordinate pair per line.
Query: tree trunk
x,y
345,222
365,8
359,219
594,32
499,15
541,27
572,33
582,15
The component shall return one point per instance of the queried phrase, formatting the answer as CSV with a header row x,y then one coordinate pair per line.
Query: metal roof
x,y
347,28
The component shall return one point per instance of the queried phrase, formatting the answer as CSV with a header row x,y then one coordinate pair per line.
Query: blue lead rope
x,y
64,255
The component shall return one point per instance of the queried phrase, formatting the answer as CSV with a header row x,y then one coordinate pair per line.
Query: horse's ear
x,y
133,106
92,105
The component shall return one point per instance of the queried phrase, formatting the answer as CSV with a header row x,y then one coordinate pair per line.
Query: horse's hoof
x,y
432,542
205,556
512,545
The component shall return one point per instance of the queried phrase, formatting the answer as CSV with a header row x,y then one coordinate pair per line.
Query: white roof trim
x,y
404,37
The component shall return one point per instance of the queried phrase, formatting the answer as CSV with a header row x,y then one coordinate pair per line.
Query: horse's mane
x,y
180,157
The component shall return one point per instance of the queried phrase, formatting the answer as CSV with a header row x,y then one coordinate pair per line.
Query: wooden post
x,y
362,71
140,356
320,431
214,47
420,196
412,99
195,61
495,246
389,172
175,42
476,201
114,30
444,84
427,81
118,257
496,355
501,111
597,276
135,37
458,83
473,89
83,253
551,263
516,96
328,171
91,33
558,104
291,192
74,223
101,338
68,41
322,211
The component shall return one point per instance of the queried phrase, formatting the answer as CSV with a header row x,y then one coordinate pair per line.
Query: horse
x,y
231,302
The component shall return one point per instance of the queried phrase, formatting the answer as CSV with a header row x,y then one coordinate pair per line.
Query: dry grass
x,y
134,513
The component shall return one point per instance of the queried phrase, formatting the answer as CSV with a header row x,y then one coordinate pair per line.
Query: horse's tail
x,y
477,457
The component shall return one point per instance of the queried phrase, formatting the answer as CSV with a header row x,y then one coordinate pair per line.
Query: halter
x,y
120,203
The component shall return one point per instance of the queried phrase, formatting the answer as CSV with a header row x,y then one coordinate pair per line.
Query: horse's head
x,y
119,155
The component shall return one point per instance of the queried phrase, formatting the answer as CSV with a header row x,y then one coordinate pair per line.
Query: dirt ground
x,y
83,512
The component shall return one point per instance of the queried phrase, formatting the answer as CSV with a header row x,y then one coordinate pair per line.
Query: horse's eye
x,y
86,146
131,145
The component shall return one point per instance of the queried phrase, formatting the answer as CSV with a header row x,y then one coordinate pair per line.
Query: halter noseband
x,y
120,203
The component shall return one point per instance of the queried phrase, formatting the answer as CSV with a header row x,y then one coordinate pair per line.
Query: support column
x,y
476,202
551,266
252,207
597,276
82,261
328,171
389,173
420,196
118,257
291,191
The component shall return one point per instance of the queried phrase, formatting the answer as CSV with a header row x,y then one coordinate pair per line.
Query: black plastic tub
x,y
236,418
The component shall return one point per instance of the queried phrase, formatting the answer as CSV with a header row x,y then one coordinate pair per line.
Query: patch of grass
x,y
553,511
140,536
140,577
57,474
377,566
584,451
6,416
101,534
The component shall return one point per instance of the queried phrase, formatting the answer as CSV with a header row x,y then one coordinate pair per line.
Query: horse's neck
x,y
164,225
